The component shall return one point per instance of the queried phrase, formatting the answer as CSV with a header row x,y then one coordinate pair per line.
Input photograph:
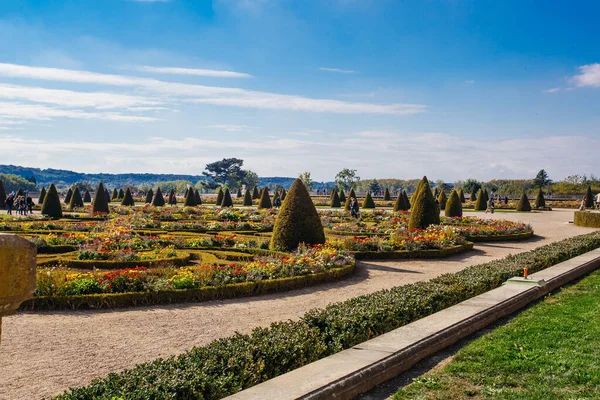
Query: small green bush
x,y
76,200
51,206
481,203
350,195
424,211
87,197
587,219
386,195
442,199
149,196
68,196
453,206
227,201
540,202
42,196
220,196
190,199
128,199
523,204
100,203
265,199
335,200
158,200
247,198
368,201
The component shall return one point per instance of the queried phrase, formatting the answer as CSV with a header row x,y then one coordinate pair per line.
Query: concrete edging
x,y
353,371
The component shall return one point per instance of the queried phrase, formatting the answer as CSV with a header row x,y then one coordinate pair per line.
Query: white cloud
x,y
552,90
22,112
211,94
194,71
341,71
230,127
589,76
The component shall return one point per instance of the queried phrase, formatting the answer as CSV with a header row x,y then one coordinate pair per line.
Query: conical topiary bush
x,y
342,196
386,195
149,196
128,199
20,192
540,202
589,202
198,198
42,196
255,194
115,194
3,195
68,196
87,197
335,201
76,199
219,197
481,203
523,204
172,198
487,195
100,203
414,195
461,196
350,195
436,193
453,206
121,194
190,199
227,200
239,193
400,203
247,198
107,195
442,199
424,211
368,201
297,221
51,206
158,200
265,199
283,194
406,200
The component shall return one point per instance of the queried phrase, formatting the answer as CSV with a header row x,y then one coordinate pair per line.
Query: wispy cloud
x,y
202,94
230,127
194,71
341,71
22,112
589,76
552,90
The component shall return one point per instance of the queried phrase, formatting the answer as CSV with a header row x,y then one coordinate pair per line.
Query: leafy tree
x,y
2,195
424,210
523,204
100,202
471,186
297,221
335,200
453,206
76,199
42,195
248,198
368,201
158,200
220,196
51,206
149,195
87,198
442,199
13,182
250,179
228,172
227,201
386,195
306,179
346,179
540,202
542,179
374,186
265,199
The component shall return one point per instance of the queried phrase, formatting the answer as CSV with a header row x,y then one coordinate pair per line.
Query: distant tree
x,y
374,187
541,179
31,179
228,172
2,195
471,186
346,179
306,179
250,179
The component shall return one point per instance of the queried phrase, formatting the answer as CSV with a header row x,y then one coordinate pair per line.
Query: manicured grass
x,y
550,351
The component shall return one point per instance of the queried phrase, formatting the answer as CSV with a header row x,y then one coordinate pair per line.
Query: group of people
x,y
22,205
585,200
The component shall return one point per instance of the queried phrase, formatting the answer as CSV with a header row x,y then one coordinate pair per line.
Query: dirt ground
x,y
42,354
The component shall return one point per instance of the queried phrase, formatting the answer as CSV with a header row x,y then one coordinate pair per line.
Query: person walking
x,y
490,206
583,201
354,207
598,201
10,202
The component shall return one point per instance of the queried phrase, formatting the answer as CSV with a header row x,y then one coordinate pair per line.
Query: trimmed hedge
x,y
219,197
87,197
501,238
231,364
255,194
207,293
158,200
42,196
406,254
68,196
587,219
190,198
51,206
265,199
540,202
100,203
197,197
227,200
342,196
442,199
589,198
335,200
462,196
481,203
368,201
453,206
350,196
76,199
523,204
128,199
181,259
386,195
149,196
424,210
3,195
247,198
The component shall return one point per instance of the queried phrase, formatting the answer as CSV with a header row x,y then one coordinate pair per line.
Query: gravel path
x,y
42,354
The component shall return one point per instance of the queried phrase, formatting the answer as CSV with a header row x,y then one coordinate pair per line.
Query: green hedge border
x,y
245,289
501,238
405,254
587,219
182,259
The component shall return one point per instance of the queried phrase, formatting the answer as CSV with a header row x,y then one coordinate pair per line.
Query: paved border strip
x,y
348,373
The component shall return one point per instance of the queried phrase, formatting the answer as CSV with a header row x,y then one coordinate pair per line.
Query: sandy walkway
x,y
43,354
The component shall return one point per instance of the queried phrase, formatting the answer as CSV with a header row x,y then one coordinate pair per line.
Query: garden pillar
x,y
17,273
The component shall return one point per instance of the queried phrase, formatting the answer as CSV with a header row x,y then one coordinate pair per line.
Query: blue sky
x,y
451,89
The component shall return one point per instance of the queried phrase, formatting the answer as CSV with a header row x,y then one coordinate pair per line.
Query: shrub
x,y
190,199
247,198
334,190
368,201
436,193
342,196
197,197
442,199
473,196
220,196
87,198
400,203
406,200
424,210
149,196
386,195
335,200
227,201
68,196
297,221
283,194
107,195
453,206
588,219
115,194
239,193
540,202
461,196
121,194
51,206
42,196
523,204
350,195
589,202
172,197
76,200
158,200
255,194
265,199
481,203
128,199
3,195
100,203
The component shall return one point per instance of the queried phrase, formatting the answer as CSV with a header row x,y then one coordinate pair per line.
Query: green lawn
x,y
550,351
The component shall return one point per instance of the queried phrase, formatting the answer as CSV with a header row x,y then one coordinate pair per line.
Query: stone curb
x,y
348,373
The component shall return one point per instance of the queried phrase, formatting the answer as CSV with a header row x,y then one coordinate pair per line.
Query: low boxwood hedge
x,y
245,289
500,238
231,364
404,254
587,219
68,260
